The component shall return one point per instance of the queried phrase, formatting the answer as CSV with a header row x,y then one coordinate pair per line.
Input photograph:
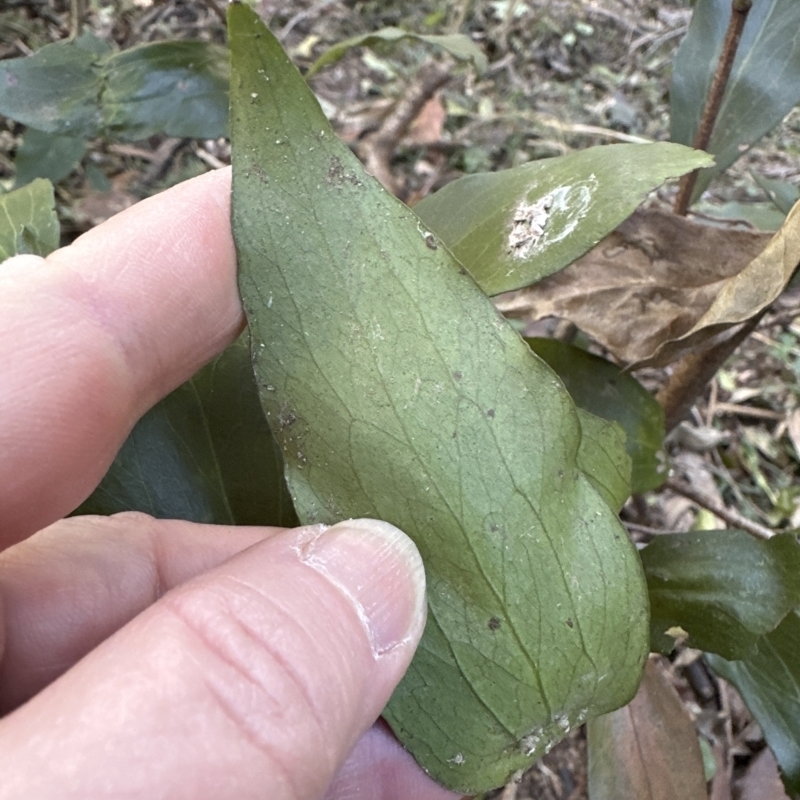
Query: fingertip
x,y
380,572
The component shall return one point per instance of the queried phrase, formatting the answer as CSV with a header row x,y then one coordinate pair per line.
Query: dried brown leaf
x,y
428,125
660,283
647,750
762,781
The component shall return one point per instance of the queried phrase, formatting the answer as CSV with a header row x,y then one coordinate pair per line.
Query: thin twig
x,y
77,10
746,411
594,130
460,13
377,148
646,530
730,45
163,158
307,13
207,158
212,4
729,515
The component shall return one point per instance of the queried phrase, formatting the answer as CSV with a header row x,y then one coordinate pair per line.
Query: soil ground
x,y
563,75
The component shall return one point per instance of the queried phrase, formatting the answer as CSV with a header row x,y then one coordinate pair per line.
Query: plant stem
x,y
77,10
691,374
695,370
729,515
730,45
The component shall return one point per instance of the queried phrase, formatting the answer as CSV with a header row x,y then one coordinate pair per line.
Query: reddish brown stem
x,y
730,45
692,372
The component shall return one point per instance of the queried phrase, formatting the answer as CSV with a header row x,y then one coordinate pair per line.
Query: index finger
x,y
98,332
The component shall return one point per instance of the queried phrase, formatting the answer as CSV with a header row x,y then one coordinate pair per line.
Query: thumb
x,y
258,676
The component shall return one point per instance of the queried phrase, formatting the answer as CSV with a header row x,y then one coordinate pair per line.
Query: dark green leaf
x,y
647,750
71,88
47,155
28,221
782,193
769,682
763,216
457,45
603,389
204,453
764,84
724,588
55,90
515,227
602,457
397,391
178,88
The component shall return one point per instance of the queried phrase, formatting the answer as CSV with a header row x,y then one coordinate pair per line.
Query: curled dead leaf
x,y
647,750
660,284
428,126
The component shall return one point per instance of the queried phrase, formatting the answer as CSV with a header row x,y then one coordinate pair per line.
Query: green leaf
x,y
28,221
724,588
55,90
769,682
515,227
603,389
457,45
204,453
782,193
762,216
179,88
397,391
75,89
602,457
47,155
763,87
647,750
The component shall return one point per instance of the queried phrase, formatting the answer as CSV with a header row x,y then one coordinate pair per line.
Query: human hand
x,y
146,658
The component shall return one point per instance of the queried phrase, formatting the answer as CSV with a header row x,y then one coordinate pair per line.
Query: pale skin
x,y
144,658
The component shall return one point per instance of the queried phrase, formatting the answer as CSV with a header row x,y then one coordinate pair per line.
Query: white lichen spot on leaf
x,y
528,225
550,219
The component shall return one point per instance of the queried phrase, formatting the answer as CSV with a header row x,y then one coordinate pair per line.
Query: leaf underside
x,y
396,391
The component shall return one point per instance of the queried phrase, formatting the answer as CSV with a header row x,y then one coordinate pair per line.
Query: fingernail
x,y
379,570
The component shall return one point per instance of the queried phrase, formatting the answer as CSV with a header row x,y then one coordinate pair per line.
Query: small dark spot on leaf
x,y
457,375
490,413
561,473
494,624
430,241
494,528
337,176
570,623
287,419
462,271
455,435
